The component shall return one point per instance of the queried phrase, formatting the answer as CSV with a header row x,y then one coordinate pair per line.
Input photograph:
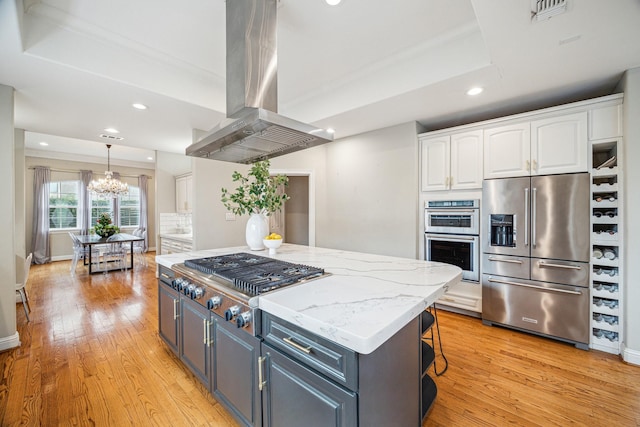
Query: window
x,y
130,208
63,204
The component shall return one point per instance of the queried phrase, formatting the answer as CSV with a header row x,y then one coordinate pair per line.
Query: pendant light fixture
x,y
108,187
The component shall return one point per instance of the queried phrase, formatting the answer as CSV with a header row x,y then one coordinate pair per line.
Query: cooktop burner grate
x,y
253,274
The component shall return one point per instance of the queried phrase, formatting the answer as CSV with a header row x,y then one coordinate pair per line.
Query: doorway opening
x,y
296,222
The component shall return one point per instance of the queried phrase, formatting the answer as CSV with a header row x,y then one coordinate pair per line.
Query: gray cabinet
x,y
296,395
195,327
168,310
235,379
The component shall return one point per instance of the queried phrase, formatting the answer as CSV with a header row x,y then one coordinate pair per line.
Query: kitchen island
x,y
356,357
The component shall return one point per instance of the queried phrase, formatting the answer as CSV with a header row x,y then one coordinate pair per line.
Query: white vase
x,y
257,230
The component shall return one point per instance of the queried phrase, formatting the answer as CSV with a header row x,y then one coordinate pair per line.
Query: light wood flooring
x,y
91,356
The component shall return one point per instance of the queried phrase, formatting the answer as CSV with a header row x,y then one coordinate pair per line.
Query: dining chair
x,y
115,253
20,287
138,249
81,252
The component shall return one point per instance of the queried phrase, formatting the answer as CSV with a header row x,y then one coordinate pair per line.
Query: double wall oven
x,y
452,231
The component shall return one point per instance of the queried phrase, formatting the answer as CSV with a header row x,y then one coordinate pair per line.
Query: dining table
x,y
93,239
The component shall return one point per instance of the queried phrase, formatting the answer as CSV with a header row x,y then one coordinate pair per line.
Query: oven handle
x,y
450,210
512,261
542,288
450,238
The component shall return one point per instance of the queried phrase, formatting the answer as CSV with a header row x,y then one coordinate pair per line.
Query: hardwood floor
x,y
91,355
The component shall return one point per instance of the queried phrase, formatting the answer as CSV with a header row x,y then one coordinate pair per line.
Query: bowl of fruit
x,y
272,242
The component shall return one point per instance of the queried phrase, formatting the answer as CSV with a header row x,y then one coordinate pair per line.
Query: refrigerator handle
x,y
526,217
534,191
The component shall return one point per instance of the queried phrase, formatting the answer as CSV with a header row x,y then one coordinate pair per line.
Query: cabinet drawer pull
x,y
568,267
511,261
175,309
261,380
292,343
165,275
542,288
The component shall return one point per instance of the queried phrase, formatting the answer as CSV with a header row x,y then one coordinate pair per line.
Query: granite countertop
x,y
364,302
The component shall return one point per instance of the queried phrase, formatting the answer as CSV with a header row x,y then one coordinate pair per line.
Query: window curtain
x,y
84,205
40,238
142,184
115,204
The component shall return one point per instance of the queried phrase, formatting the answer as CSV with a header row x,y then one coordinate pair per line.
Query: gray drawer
x,y
166,275
506,265
328,358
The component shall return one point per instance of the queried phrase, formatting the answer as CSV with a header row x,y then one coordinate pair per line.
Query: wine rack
x,y
606,246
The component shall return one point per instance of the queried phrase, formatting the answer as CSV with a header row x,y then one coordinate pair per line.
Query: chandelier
x,y
108,187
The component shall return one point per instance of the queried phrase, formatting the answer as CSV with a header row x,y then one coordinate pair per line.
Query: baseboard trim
x,y
9,342
630,356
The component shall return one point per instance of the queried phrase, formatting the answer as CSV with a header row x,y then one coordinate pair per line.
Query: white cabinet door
x,y
559,144
183,194
466,160
507,151
435,163
605,122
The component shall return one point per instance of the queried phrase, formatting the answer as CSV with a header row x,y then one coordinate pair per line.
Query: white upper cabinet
x,y
559,144
605,122
466,160
452,162
507,151
184,194
540,147
435,163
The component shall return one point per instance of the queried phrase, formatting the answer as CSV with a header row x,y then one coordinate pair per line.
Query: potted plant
x,y
257,195
104,226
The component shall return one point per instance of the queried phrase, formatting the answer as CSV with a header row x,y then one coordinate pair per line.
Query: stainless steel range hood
x,y
254,130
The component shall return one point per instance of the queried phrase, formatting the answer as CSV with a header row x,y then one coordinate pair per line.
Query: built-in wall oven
x,y
452,229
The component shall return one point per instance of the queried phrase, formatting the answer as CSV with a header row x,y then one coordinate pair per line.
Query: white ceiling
x,y
77,66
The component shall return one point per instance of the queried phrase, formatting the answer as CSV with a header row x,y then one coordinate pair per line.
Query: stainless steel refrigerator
x,y
535,261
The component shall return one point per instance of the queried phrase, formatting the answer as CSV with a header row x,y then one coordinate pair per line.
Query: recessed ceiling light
x,y
149,158
112,130
475,91
138,106
331,131
44,144
333,2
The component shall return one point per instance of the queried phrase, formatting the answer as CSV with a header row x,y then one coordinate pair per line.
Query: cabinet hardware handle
x,y
526,217
175,309
524,285
292,343
204,331
568,267
165,275
534,193
512,261
261,380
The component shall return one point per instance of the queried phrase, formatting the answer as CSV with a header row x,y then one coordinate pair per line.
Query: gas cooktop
x,y
254,274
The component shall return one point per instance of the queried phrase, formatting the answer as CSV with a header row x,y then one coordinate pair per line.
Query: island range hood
x,y
253,130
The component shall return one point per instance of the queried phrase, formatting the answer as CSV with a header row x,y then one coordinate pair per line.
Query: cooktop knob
x,y
177,283
189,289
214,302
244,319
231,312
197,292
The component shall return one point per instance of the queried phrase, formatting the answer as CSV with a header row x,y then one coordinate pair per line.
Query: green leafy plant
x,y
104,226
257,192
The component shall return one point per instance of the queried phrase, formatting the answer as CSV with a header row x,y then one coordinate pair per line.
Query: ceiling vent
x,y
545,9
111,137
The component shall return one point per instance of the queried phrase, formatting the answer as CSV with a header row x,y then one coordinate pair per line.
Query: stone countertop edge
x,y
364,302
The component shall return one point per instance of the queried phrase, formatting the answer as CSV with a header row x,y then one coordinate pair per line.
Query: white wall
x,y
631,88
8,334
365,192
